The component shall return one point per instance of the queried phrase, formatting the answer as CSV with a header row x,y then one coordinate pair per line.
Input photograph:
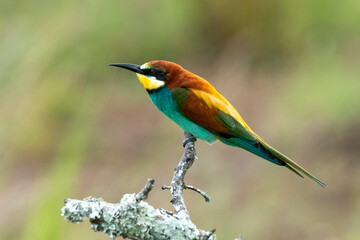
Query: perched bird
x,y
195,105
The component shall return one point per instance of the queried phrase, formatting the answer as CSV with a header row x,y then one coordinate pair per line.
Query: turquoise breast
x,y
164,101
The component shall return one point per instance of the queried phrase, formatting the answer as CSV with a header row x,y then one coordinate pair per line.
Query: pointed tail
x,y
264,150
291,165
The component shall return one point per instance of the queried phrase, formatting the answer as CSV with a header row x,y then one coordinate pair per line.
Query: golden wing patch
x,y
219,102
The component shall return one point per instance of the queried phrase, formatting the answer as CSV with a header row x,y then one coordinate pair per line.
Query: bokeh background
x,y
70,126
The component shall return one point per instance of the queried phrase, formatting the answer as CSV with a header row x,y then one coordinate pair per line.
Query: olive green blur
x,y
71,126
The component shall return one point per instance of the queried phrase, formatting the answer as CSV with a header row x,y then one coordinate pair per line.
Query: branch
x,y
177,183
132,218
135,219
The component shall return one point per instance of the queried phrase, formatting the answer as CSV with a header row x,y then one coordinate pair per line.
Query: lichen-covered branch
x,y
132,218
135,219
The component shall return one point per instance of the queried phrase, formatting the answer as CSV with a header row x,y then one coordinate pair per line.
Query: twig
x,y
239,238
164,187
143,194
202,193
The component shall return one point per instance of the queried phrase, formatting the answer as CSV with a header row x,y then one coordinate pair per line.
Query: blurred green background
x,y
70,126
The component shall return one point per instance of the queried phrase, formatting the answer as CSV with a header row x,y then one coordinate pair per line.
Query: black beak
x,y
128,66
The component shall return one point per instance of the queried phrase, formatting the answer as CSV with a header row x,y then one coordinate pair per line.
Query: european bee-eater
x,y
195,105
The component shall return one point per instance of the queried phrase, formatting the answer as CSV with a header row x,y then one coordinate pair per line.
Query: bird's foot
x,y
191,138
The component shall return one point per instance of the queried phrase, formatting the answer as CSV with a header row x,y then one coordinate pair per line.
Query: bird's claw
x,y
188,139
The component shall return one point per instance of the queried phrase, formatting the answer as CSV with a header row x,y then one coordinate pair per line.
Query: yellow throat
x,y
149,83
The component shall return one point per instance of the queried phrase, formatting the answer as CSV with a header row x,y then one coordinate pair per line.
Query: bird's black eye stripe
x,y
159,75
150,71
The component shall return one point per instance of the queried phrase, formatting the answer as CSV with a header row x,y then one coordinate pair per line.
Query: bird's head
x,y
155,74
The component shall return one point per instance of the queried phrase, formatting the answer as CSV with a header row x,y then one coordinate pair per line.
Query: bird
x,y
199,109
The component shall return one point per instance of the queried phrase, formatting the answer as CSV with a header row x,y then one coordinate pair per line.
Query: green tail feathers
x,y
293,166
262,149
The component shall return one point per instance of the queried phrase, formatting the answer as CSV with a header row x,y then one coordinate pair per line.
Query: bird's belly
x,y
164,101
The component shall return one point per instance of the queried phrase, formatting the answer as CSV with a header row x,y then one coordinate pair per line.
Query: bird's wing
x,y
211,111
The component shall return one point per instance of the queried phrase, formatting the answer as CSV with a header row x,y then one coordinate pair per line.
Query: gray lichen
x,y
132,219
135,219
